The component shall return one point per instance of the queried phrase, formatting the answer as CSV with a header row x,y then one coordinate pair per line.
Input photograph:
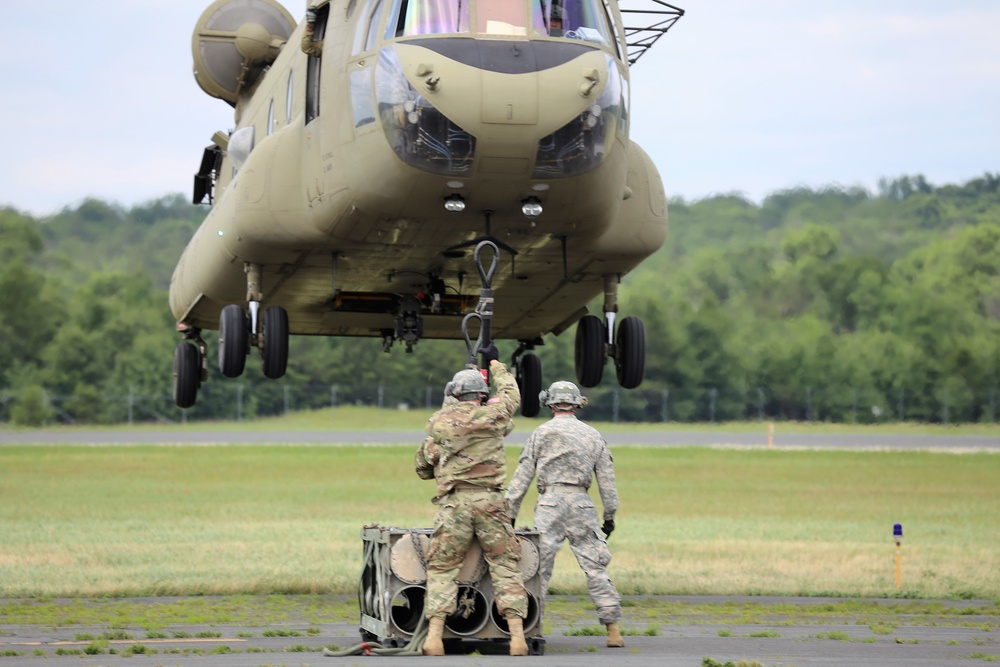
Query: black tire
x,y
589,351
529,382
630,348
234,341
187,374
274,354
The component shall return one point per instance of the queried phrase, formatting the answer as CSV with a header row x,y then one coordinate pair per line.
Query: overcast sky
x,y
741,96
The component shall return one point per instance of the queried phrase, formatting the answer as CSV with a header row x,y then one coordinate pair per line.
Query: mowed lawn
x,y
181,520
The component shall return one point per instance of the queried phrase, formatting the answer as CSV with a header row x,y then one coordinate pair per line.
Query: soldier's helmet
x,y
467,384
563,392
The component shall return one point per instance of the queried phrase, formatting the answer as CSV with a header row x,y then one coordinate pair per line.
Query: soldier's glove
x,y
608,528
310,16
490,353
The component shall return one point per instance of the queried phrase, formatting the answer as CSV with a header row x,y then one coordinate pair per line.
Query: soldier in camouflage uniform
x,y
566,454
464,453
310,45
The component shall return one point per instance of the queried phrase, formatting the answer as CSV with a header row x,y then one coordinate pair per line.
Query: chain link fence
x,y
240,401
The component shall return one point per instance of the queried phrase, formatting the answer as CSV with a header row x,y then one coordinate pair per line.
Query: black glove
x,y
490,353
608,527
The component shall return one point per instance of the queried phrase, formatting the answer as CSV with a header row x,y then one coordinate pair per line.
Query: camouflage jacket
x,y
310,45
564,450
465,440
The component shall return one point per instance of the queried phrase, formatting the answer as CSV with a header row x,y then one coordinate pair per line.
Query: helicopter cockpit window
x,y
428,17
421,136
584,142
367,27
501,18
372,40
584,20
572,19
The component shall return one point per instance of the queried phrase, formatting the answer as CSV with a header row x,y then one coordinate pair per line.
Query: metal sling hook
x,y
472,347
484,309
487,276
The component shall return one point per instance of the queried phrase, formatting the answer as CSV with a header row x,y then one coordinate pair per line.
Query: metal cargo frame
x,y
393,586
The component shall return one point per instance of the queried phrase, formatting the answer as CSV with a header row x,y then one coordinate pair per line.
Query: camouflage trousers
x,y
463,516
572,516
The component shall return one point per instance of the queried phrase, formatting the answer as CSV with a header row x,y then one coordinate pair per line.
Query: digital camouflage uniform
x,y
464,453
566,453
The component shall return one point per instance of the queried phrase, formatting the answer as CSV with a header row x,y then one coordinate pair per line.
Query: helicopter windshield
x,y
584,20
574,19
428,17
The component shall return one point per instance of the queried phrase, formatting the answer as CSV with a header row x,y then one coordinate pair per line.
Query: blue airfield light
x,y
897,532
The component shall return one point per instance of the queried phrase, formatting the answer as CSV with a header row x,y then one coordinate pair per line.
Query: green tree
x,y
30,308
31,407
116,336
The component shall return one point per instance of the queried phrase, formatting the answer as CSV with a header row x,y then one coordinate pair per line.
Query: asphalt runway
x,y
783,640
884,441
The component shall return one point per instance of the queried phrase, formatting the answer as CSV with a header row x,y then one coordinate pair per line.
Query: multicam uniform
x,y
464,452
566,454
310,45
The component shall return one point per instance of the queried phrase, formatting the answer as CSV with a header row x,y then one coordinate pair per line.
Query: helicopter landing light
x,y
531,207
454,203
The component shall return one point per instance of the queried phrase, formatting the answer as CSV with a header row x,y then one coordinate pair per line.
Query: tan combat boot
x,y
433,644
615,636
517,644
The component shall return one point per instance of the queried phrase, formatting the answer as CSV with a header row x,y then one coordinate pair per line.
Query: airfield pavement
x,y
783,640
780,641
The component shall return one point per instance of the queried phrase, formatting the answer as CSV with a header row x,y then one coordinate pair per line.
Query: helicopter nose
x,y
447,104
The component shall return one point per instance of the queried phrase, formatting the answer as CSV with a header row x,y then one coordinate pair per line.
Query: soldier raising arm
x,y
310,45
464,454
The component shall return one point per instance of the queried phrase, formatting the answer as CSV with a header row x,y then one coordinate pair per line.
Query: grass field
x,y
177,520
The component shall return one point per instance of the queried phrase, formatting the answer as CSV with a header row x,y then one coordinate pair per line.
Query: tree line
x,y
830,304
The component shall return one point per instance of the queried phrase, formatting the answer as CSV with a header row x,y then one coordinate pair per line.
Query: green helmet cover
x,y
563,392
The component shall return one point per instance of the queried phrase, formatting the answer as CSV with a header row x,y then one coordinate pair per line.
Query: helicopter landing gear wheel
x,y
274,348
187,374
234,335
589,351
529,382
630,352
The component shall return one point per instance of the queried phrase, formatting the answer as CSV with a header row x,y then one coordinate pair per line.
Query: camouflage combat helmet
x,y
467,385
563,392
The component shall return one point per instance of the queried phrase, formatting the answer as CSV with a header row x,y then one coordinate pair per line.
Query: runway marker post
x,y
897,535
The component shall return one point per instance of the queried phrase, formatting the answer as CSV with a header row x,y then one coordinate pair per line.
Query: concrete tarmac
x,y
961,633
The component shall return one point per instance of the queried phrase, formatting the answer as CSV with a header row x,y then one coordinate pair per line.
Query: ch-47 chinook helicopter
x,y
371,157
